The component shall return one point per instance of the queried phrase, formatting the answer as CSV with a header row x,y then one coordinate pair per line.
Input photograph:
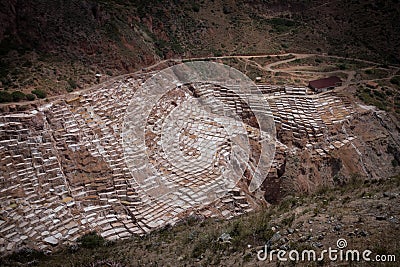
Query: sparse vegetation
x,y
395,80
72,85
5,97
375,98
196,241
39,93
91,240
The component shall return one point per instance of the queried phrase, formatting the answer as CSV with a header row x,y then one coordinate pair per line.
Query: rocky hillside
x,y
58,46
367,219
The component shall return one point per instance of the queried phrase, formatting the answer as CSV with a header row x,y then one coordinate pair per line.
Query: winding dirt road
x,y
270,67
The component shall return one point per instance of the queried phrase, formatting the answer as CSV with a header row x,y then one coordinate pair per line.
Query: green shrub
x,y
17,96
30,97
39,93
5,97
395,80
72,84
25,257
201,246
91,240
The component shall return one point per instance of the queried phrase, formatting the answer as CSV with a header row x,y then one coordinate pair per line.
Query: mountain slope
x,y
61,45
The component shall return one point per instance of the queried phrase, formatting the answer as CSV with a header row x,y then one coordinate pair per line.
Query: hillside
x,y
59,46
185,133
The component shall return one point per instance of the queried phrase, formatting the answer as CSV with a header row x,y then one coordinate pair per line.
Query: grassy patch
x,y
91,240
5,97
374,97
18,96
395,80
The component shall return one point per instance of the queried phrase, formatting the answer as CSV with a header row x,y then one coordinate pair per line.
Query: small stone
x,y
73,248
275,237
225,238
290,231
318,245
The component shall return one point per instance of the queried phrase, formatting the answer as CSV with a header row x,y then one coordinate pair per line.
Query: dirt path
x,y
78,92
296,56
245,58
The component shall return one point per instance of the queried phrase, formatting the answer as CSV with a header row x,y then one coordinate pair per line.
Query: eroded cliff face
x,y
372,155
